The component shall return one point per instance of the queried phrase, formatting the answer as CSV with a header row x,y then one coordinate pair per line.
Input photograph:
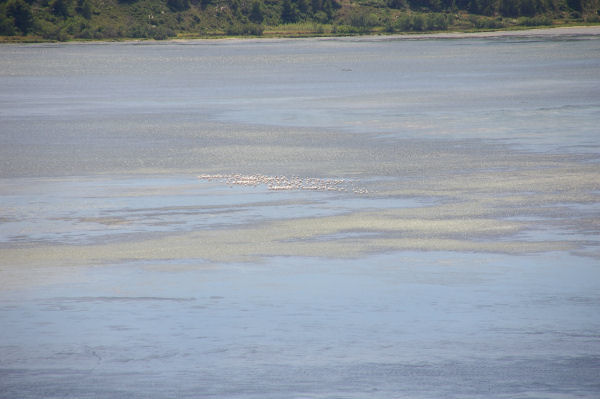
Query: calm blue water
x,y
460,260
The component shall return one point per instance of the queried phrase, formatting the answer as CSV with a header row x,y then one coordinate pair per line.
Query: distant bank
x,y
67,20
521,33
583,30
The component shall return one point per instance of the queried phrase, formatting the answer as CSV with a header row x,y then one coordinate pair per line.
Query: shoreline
x,y
579,30
590,30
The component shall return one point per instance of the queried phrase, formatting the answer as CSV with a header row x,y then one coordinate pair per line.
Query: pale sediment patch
x,y
107,221
15,277
320,237
564,192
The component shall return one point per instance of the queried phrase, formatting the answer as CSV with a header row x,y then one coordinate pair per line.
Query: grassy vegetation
x,y
60,20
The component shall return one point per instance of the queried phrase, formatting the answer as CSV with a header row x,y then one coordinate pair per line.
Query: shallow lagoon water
x,y
461,261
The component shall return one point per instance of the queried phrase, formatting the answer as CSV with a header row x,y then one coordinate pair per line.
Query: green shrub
x,y
535,21
178,5
343,29
398,4
244,29
363,20
85,33
138,32
289,12
403,23
418,23
436,21
60,8
318,28
7,25
84,8
487,23
593,18
55,33
21,14
321,16
161,33
256,13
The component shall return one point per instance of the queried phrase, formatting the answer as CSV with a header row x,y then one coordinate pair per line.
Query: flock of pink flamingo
x,y
282,183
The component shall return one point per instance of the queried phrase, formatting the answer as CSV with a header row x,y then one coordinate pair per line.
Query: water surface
x,y
456,256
